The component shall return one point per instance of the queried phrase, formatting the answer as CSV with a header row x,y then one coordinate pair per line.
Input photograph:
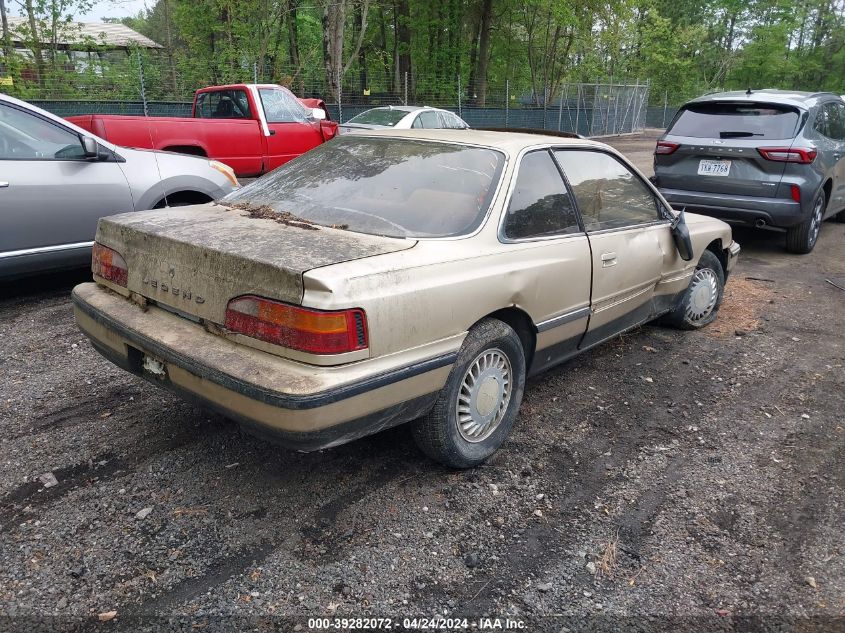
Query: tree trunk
x,y
475,25
361,24
293,47
483,50
36,41
7,38
403,37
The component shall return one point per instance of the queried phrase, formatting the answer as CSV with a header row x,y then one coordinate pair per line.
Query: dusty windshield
x,y
383,186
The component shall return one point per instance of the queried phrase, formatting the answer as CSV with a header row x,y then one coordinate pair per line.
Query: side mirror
x,y
680,234
90,147
318,113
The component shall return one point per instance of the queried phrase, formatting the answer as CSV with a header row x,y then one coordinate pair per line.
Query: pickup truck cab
x,y
253,128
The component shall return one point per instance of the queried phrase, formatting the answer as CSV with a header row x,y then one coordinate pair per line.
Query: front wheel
x,y
802,238
700,302
476,409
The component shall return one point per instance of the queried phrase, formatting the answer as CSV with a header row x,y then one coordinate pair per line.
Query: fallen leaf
x,y
108,615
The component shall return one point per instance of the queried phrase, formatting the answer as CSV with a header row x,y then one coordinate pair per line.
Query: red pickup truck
x,y
253,128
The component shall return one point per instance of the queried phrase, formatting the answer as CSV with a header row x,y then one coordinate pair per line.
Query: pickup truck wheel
x,y
802,238
700,302
476,409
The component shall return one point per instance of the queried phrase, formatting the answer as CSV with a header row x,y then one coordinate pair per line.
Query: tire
x,y
491,351
802,238
839,217
699,303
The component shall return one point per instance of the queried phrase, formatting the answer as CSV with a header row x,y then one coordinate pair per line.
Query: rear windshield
x,y
736,120
379,116
383,186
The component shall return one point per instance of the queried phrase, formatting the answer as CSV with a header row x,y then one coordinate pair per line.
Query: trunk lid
x,y
718,145
195,259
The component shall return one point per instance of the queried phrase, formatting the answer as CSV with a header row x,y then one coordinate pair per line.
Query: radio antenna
x,y
149,125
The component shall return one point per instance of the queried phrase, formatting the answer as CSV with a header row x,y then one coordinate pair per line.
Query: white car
x,y
403,118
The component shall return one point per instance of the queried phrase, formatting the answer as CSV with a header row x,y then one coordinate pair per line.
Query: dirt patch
x,y
744,302
266,212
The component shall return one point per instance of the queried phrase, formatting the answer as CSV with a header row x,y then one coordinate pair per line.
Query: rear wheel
x,y
802,238
476,409
700,302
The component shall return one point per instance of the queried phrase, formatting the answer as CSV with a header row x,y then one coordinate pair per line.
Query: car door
x,y
292,131
51,196
829,124
837,133
628,239
542,235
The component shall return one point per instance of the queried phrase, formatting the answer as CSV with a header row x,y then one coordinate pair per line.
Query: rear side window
x,y
830,121
540,204
223,104
736,120
429,120
379,116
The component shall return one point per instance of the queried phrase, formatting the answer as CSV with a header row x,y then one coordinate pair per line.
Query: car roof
x,y
795,98
510,142
401,108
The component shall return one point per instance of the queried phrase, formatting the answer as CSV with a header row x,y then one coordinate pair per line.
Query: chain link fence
x,y
144,82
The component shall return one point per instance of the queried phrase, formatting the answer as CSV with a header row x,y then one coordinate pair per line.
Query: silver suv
x,y
762,158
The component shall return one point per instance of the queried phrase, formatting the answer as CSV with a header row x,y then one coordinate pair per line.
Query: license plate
x,y
714,168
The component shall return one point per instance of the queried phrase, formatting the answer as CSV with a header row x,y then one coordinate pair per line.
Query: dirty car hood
x,y
195,259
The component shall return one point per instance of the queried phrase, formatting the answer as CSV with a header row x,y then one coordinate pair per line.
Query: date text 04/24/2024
x,y
416,624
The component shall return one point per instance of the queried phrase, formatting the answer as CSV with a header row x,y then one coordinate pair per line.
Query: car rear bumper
x,y
749,210
294,404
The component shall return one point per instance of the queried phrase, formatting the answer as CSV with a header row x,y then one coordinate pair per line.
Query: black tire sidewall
x,y
798,237
679,315
461,452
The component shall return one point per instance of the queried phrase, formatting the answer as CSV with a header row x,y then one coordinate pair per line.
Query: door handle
x,y
3,185
608,259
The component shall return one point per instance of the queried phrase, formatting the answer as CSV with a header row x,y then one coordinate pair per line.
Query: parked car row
x,y
402,274
767,158
61,176
253,128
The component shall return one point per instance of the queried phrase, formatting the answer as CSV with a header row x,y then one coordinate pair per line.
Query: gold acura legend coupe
x,y
415,276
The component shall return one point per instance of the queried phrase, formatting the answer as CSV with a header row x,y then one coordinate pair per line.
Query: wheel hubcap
x,y
704,292
484,395
816,222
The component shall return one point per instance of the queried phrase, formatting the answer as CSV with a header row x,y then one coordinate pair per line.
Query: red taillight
x,y
665,147
795,192
294,327
801,155
108,264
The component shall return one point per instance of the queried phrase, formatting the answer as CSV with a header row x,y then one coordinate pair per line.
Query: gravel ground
x,y
667,480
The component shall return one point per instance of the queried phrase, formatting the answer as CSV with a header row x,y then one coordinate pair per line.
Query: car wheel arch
x,y
182,199
827,187
522,324
190,150
716,247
